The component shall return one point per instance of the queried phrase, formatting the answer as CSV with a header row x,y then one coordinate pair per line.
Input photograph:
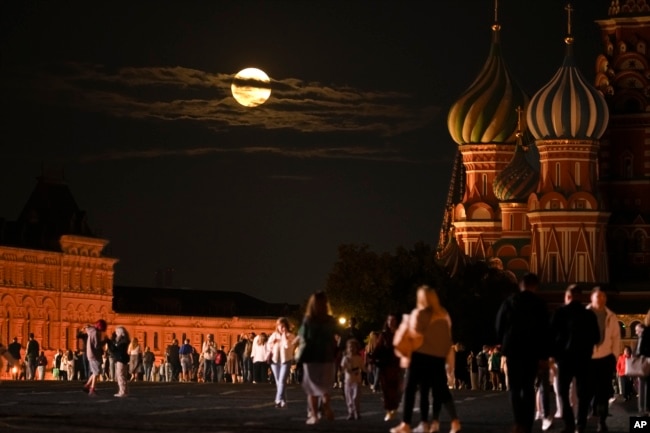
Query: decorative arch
x,y
553,201
459,212
518,266
583,201
629,101
506,250
633,327
480,211
630,61
533,202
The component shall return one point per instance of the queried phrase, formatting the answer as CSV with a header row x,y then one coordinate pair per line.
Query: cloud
x,y
178,93
326,152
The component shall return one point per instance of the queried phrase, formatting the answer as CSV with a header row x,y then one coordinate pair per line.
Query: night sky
x,y
133,101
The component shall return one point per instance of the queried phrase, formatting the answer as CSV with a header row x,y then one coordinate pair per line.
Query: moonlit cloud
x,y
178,93
358,152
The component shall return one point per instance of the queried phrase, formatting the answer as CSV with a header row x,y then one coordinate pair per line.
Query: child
x,y
118,348
352,365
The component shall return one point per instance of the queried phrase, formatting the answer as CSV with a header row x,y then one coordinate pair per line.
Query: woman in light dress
x,y
135,359
317,353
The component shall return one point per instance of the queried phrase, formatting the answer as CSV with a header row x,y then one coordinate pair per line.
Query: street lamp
x,y
342,320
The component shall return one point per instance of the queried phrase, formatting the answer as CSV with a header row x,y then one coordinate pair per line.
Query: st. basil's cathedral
x,y
558,183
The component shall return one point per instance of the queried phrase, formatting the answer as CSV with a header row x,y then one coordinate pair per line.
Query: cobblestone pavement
x,y
32,407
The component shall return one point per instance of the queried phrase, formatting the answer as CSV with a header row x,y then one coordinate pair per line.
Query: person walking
x,y
602,367
388,367
625,383
14,349
280,346
643,348
259,355
220,363
135,359
94,343
574,333
118,350
317,352
353,366
185,353
41,363
522,326
148,359
32,351
427,368
209,352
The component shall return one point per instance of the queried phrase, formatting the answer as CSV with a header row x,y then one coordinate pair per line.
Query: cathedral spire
x,y
496,27
569,37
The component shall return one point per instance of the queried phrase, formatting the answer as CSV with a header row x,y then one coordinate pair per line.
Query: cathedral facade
x,y
558,183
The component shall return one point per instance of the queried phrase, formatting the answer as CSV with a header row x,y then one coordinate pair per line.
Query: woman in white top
x,y
280,345
259,355
427,369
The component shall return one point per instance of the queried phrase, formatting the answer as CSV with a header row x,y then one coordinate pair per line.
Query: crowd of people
x,y
573,353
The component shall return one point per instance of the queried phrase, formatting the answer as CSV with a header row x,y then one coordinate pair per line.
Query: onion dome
x,y
452,258
568,107
485,112
518,179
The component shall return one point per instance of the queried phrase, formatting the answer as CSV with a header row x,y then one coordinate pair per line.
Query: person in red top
x,y
625,385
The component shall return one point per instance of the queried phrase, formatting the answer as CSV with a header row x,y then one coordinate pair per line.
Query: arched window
x,y
577,173
557,174
484,185
512,222
155,341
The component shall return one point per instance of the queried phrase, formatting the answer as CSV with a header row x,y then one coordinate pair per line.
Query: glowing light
x,y
251,87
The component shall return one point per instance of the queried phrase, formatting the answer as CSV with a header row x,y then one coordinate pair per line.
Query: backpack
x,y
219,359
481,359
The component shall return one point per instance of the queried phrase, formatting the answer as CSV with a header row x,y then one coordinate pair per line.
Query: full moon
x,y
251,87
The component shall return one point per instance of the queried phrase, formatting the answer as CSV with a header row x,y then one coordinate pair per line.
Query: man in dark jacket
x,y
31,356
522,326
174,360
574,333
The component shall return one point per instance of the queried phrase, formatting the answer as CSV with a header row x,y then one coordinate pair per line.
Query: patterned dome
x,y
518,180
568,107
486,112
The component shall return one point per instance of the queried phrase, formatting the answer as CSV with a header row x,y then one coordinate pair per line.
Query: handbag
x,y
637,366
404,342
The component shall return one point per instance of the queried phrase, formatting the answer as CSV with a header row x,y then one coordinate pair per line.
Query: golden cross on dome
x,y
520,112
568,9
496,27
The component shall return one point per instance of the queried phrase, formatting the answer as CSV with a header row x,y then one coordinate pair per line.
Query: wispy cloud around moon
x,y
179,94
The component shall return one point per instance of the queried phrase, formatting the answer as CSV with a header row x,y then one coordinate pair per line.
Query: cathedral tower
x,y
483,123
567,117
623,74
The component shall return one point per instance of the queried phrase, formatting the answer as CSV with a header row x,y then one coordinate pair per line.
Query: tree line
x,y
370,285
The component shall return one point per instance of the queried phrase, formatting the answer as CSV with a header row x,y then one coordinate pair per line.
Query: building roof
x,y
50,212
191,302
487,111
567,107
518,179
